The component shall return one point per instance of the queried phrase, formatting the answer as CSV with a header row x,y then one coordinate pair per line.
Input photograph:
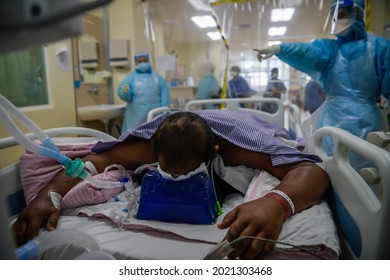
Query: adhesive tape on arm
x,y
56,199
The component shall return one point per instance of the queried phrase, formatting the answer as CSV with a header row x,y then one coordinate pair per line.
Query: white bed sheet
x,y
139,239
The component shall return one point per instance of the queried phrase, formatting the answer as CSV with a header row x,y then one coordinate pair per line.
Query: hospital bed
x,y
360,214
359,198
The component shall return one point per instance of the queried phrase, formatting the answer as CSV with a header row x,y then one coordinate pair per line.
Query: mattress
x,y
312,229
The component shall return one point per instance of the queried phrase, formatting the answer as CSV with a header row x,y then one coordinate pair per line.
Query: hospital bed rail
x,y
53,132
360,199
292,123
238,104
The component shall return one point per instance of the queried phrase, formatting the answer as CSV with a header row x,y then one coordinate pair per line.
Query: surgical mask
x,y
233,73
341,27
274,75
143,67
202,168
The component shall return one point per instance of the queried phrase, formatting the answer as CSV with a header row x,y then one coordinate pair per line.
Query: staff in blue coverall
x,y
208,86
143,90
353,69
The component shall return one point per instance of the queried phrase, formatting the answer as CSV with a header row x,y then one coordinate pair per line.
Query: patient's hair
x,y
183,136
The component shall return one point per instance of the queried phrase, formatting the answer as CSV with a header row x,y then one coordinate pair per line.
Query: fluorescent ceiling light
x,y
271,43
214,35
282,14
277,31
204,21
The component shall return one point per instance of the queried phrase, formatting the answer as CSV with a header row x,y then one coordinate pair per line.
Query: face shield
x,y
343,14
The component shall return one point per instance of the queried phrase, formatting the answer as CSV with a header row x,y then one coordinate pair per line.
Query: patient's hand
x,y
39,213
261,218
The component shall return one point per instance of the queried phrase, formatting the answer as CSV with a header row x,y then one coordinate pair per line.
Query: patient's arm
x,y
305,183
41,211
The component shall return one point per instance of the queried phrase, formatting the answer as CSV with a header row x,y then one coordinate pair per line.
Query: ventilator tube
x,y
74,168
49,239
49,149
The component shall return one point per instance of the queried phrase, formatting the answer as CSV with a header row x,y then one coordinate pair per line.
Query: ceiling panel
x,y
244,24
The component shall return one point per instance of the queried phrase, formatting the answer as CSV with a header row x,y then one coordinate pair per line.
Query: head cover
x,y
139,55
206,68
348,3
235,68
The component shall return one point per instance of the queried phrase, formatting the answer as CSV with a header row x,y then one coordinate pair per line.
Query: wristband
x,y
284,201
287,198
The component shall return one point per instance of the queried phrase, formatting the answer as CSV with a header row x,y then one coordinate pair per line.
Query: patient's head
x,y
182,142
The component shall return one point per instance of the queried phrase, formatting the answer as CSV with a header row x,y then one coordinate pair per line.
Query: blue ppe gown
x,y
207,88
353,70
148,91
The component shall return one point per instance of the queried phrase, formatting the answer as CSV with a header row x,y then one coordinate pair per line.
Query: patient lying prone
x,y
181,142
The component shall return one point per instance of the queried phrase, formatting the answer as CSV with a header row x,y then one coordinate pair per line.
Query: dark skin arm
x,y
263,217
41,211
305,183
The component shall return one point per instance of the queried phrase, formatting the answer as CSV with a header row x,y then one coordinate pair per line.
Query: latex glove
x,y
125,88
267,52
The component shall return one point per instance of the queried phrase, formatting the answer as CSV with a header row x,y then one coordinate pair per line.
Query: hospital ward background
x,y
61,71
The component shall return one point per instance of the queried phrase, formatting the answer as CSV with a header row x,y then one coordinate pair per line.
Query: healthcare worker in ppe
x,y
354,70
238,85
143,90
208,86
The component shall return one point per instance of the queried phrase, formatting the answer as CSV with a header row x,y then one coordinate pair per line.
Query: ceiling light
x,y
214,35
204,21
282,14
277,31
271,43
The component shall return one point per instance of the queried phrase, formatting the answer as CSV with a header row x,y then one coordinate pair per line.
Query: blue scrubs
x,y
314,96
239,86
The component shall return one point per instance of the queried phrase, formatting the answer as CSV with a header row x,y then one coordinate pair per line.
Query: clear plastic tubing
x,y
86,176
49,239
74,168
7,108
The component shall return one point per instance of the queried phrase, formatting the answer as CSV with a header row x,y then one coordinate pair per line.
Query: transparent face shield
x,y
342,17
